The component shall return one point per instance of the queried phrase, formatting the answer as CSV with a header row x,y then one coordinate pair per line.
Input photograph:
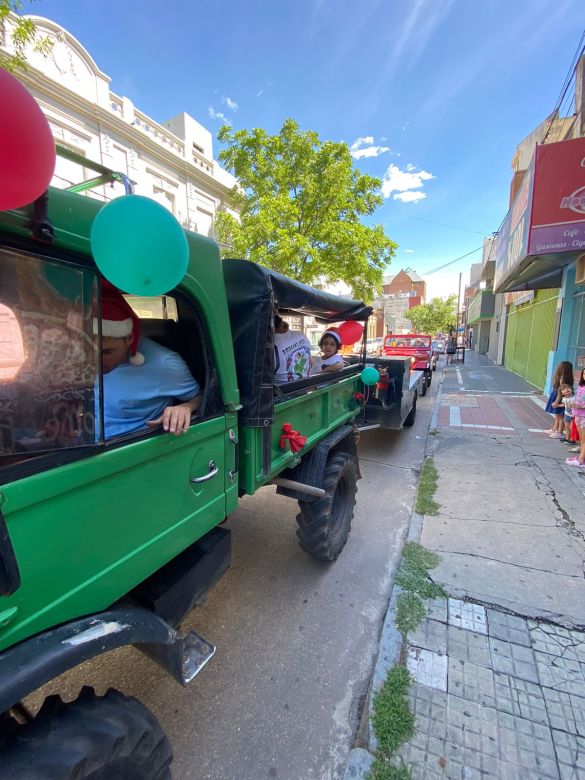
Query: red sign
x,y
558,205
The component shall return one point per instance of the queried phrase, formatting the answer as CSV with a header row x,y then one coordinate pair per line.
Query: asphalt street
x,y
296,638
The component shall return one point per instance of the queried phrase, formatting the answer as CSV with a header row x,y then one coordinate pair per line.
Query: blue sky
x,y
439,91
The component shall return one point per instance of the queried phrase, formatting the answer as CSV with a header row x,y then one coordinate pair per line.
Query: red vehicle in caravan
x,y
418,347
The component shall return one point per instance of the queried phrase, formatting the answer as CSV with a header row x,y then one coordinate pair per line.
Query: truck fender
x,y
311,469
32,663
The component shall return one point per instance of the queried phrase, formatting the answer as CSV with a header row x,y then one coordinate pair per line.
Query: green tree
x,y
22,33
438,315
301,202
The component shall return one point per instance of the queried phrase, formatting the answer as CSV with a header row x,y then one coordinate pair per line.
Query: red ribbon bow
x,y
294,438
359,397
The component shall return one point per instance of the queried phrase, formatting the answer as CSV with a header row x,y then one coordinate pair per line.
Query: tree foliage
x,y
301,202
22,33
437,316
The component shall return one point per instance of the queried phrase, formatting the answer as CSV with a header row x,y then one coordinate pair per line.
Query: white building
x,y
170,162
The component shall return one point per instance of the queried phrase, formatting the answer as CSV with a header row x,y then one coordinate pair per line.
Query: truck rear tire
x,y
429,378
423,387
113,737
324,524
411,416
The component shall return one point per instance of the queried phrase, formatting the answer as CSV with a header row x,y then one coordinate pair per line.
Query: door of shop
x,y
576,351
529,337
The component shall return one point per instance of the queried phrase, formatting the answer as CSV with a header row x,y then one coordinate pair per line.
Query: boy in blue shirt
x,y
145,384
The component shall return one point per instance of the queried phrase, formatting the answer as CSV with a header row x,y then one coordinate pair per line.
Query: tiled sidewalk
x,y
495,696
508,414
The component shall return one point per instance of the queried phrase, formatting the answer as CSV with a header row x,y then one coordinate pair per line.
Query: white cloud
x,y
217,115
364,147
406,183
370,151
409,251
260,92
231,104
362,141
409,197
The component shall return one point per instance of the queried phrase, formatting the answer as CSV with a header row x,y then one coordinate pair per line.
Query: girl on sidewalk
x,y
578,407
563,376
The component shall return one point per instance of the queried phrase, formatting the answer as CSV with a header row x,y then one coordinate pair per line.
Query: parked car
x,y
416,346
439,347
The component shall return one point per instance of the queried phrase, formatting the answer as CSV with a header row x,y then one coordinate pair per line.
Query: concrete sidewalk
x,y
499,666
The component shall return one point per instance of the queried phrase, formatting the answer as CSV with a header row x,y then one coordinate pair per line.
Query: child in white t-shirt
x,y
330,359
292,353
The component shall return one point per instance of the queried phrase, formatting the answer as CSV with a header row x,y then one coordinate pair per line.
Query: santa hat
x,y
334,333
119,320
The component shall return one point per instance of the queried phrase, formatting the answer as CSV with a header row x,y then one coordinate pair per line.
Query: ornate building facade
x,y
171,162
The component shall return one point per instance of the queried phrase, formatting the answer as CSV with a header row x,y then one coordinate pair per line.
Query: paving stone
x,y
468,646
510,628
520,697
570,754
427,668
471,681
526,744
558,641
430,635
562,674
464,614
512,659
566,712
437,609
456,738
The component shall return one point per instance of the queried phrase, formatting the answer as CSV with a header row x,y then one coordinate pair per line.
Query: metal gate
x,y
529,337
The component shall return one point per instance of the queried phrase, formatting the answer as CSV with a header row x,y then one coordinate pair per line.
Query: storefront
x,y
541,248
530,330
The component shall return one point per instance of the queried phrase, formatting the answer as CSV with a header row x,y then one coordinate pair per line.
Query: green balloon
x,y
139,246
370,375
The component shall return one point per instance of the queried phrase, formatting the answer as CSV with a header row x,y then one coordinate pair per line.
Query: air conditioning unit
x,y
580,270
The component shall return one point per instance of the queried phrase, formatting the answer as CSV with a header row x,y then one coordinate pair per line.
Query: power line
x,y
434,222
440,268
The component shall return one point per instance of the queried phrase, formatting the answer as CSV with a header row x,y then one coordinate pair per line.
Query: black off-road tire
x,y
113,737
423,388
411,416
324,524
429,378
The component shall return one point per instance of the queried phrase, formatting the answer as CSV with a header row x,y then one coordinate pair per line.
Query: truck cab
x,y
416,346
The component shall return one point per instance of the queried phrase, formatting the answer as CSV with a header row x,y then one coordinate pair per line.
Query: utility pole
x,y
458,307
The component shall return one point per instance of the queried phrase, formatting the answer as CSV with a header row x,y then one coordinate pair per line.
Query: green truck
x,y
110,542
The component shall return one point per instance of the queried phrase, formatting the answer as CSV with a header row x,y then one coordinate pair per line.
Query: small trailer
x,y
391,402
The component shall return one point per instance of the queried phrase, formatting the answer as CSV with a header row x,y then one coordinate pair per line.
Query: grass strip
x,y
393,720
427,486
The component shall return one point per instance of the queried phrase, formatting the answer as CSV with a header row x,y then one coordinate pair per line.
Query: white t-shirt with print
x,y
293,356
319,363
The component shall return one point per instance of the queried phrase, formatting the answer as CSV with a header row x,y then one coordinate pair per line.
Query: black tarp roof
x,y
255,294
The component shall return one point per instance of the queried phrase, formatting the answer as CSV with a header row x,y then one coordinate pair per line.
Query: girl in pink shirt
x,y
578,408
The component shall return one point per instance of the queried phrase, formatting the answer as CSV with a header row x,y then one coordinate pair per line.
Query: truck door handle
x,y
213,471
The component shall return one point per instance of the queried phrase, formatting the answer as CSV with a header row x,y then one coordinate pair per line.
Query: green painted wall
x,y
529,336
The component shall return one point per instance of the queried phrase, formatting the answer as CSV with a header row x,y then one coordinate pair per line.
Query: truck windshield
x,y
408,343
49,356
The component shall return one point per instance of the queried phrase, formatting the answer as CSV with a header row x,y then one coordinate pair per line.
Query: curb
x,y
390,647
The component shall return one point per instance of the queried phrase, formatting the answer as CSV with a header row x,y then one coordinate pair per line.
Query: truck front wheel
x,y
112,737
324,524
423,387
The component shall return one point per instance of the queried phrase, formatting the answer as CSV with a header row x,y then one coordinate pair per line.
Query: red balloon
x,y
27,148
350,332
